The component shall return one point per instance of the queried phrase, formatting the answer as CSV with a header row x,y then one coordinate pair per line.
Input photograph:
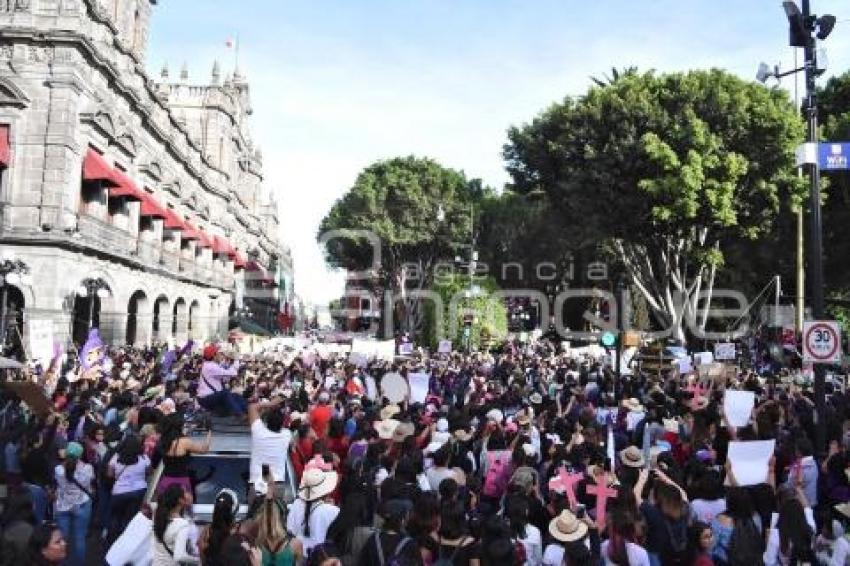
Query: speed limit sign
x,y
821,342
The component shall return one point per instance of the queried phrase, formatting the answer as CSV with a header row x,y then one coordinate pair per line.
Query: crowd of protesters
x,y
528,454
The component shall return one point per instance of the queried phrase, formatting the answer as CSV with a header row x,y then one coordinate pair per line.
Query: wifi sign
x,y
833,156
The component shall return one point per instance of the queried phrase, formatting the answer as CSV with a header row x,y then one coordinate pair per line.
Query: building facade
x,y
137,205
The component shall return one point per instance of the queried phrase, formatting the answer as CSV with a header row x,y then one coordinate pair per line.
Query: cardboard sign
x,y
32,394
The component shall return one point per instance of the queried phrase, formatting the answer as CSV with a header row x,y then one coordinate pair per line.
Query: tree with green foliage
x,y
418,210
490,316
664,168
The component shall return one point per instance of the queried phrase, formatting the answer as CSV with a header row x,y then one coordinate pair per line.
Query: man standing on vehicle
x,y
269,447
212,394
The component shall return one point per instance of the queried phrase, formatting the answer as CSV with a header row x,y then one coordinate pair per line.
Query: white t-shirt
x,y
554,555
129,478
321,517
533,544
437,475
637,554
270,448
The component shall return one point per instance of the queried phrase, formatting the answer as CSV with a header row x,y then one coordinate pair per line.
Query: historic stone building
x,y
137,204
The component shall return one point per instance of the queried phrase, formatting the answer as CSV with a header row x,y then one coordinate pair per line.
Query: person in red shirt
x,y
321,415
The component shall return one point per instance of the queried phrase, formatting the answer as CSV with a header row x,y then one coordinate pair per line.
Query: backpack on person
x,y
396,559
498,470
746,547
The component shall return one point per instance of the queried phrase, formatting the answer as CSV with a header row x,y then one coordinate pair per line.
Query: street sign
x,y
821,342
834,156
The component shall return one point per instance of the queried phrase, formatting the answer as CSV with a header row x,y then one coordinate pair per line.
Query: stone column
x,y
144,329
166,319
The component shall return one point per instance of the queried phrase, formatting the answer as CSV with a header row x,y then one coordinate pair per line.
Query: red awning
x,y
125,187
239,261
151,208
172,221
222,246
95,168
5,153
204,239
189,232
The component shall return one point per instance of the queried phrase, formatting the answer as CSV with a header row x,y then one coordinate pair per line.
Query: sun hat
x,y
402,431
567,528
316,484
495,415
632,457
633,405
74,450
386,428
535,398
389,412
523,419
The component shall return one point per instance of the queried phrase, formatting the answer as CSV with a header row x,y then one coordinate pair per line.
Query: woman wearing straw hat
x,y
312,512
571,545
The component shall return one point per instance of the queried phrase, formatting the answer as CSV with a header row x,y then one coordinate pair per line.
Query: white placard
x,y
41,340
394,387
738,406
750,460
703,358
724,351
371,388
405,349
685,365
445,347
418,386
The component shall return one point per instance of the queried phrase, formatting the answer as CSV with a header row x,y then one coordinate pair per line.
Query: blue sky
x,y
337,85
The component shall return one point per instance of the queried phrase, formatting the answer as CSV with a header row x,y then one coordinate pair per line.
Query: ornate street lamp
x,y
91,288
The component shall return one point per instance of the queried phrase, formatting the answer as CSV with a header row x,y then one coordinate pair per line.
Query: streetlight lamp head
x,y
764,72
82,291
13,278
798,34
825,25
103,293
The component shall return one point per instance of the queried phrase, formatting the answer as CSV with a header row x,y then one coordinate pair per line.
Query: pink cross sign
x,y
602,494
566,482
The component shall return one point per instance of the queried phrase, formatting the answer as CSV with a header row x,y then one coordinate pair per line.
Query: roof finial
x,y
164,72
184,72
216,73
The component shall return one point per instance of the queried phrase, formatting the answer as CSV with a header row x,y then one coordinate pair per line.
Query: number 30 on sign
x,y
821,342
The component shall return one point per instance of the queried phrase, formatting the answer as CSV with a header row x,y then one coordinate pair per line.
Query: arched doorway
x,y
136,308
11,335
179,323
161,318
195,331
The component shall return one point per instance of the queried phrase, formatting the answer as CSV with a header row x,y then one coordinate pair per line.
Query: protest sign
x,y
445,347
32,394
703,358
724,351
41,340
738,406
749,461
405,349
394,387
418,386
